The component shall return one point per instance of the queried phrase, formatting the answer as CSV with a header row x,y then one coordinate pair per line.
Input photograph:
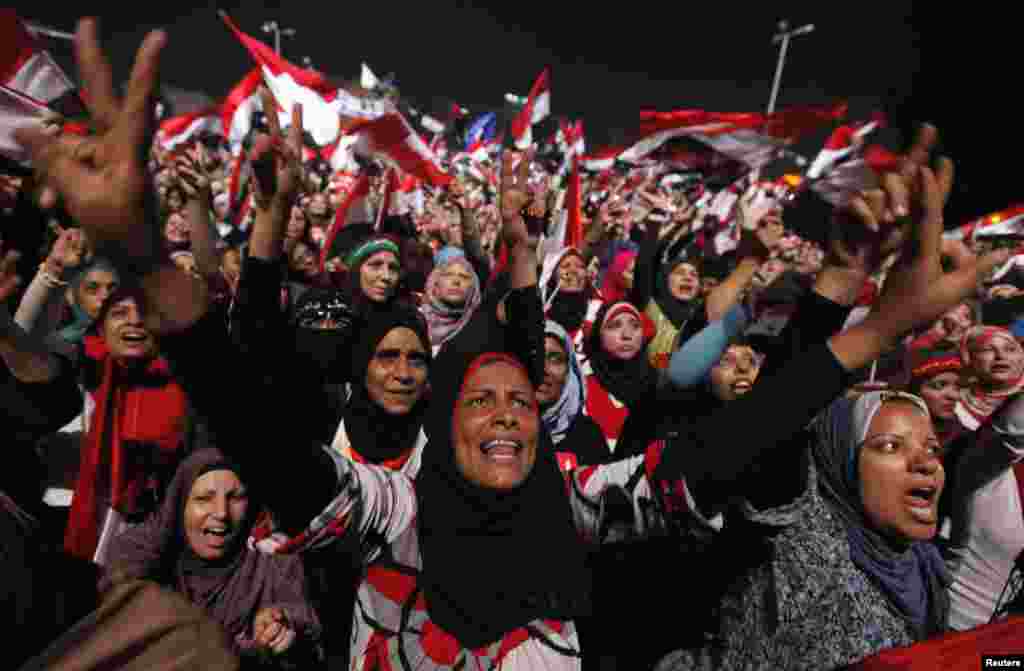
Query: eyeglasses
x,y
732,361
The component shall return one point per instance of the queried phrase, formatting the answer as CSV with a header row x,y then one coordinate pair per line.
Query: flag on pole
x,y
536,109
291,84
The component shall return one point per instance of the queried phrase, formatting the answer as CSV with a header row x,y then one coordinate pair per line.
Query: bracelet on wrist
x,y
49,278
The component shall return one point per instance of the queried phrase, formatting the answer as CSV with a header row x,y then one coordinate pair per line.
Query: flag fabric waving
x,y
291,84
180,129
17,110
392,136
537,108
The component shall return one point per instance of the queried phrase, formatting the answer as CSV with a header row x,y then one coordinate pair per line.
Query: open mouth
x,y
217,536
135,337
502,449
921,502
741,387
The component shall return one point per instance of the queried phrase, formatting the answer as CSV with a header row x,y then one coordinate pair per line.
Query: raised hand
x,y
917,291
514,196
67,252
759,241
192,176
277,159
103,178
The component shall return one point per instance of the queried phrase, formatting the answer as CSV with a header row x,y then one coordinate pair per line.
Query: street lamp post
x,y
783,36
278,31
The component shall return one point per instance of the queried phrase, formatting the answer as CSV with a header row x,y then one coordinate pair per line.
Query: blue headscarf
x,y
76,330
914,579
559,417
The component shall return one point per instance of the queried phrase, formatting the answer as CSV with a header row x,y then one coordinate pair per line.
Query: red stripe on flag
x,y
17,45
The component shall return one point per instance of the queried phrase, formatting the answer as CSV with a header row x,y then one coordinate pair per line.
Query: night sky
x,y
911,60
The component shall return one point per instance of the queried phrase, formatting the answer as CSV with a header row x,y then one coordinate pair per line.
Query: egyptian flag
x,y
239,109
341,218
575,146
17,110
1008,223
568,229
182,128
537,108
29,69
601,160
291,84
392,136
752,139
848,164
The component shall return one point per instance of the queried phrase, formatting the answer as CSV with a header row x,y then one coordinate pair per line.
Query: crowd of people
x,y
313,428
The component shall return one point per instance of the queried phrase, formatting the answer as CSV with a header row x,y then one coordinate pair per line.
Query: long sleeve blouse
x,y
988,518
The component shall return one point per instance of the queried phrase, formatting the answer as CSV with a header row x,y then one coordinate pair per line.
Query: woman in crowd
x,y
844,568
671,294
452,295
996,361
987,512
135,433
570,298
382,421
562,398
619,377
618,281
936,375
66,278
196,544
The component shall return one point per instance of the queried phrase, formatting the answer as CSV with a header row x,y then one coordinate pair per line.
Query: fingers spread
x,y
295,132
96,76
924,142
136,122
270,111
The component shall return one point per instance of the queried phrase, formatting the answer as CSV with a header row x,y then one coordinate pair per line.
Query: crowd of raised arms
x,y
493,413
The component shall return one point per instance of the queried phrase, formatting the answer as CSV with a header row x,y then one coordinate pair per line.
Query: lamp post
x,y
278,31
783,36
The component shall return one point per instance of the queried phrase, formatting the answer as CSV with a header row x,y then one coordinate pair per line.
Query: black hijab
x,y
630,381
678,312
482,574
375,434
324,350
567,309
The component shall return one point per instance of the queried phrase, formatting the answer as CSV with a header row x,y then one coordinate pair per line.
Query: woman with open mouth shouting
x,y
196,544
996,360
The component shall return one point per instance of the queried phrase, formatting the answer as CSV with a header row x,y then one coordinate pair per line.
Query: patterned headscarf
x,y
913,580
981,403
560,415
445,321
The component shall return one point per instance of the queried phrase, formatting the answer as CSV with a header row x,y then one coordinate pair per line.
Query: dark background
x,y
952,65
